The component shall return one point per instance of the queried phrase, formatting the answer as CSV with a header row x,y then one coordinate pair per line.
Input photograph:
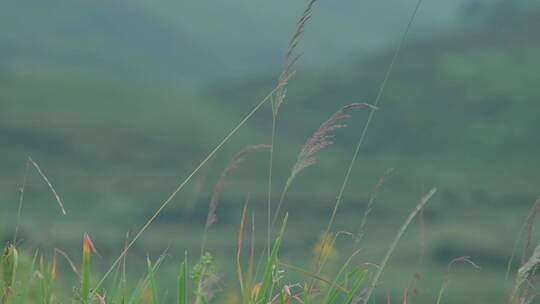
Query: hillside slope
x,y
185,42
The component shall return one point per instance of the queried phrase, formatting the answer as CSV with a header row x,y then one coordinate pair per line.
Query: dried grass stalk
x,y
222,182
56,196
290,59
425,199
371,203
451,266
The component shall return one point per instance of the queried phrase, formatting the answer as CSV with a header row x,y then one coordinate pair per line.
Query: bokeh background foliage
x,y
118,101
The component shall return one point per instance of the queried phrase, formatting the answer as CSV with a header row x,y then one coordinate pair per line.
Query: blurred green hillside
x,y
185,42
119,101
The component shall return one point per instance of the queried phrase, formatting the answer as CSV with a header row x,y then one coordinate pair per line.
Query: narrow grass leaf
x,y
182,282
271,265
152,281
88,248
355,287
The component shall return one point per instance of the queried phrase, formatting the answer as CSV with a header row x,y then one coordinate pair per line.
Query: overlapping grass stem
x,y
321,139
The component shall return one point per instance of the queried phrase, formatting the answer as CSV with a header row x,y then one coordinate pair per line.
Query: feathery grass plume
x,y
364,131
376,102
48,182
423,202
321,139
277,99
525,234
290,59
220,185
10,262
451,266
88,249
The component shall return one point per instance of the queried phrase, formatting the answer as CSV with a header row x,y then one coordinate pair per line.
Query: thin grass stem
x,y
398,237
181,186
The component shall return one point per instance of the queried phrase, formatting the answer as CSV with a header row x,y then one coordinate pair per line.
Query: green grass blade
x,y
137,293
306,297
264,295
182,282
88,247
356,285
152,280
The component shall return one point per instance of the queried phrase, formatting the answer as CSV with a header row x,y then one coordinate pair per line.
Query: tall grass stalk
x,y
287,72
382,88
371,115
398,237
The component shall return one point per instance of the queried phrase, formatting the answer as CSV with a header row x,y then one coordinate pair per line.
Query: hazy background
x,y
119,100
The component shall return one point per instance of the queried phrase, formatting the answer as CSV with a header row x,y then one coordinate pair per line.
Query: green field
x,y
119,102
